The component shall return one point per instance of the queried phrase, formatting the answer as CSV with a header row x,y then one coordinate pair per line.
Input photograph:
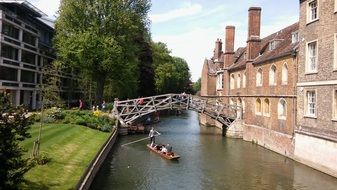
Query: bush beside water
x,y
96,120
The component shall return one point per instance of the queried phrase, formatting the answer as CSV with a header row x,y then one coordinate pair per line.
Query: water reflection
x,y
208,161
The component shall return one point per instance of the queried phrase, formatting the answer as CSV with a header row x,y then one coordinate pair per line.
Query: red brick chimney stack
x,y
218,49
253,41
229,51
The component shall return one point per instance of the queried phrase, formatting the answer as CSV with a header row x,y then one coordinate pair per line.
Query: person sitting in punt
x,y
169,148
158,147
164,149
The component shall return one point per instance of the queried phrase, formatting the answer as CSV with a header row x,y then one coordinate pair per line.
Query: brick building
x,y
261,78
316,131
26,47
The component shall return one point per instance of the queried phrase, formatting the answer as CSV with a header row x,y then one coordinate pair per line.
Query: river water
x,y
208,161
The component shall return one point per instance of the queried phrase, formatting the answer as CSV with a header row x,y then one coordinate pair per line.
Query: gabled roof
x,y
284,47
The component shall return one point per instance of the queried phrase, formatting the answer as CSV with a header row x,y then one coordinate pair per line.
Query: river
x,y
208,161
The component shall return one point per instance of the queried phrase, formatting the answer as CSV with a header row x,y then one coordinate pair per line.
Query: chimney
x,y
229,51
218,49
253,41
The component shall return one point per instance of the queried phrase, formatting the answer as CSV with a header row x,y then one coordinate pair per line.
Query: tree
x,y
171,73
146,70
97,36
13,128
50,89
197,86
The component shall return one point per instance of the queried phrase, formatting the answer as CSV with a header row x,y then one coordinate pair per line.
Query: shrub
x,y
95,120
42,159
48,119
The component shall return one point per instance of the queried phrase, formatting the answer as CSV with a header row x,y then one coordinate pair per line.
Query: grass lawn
x,y
70,147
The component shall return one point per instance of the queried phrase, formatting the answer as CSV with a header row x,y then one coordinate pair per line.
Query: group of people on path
x,y
94,108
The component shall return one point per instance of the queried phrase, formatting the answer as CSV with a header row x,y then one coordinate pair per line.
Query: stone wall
x,y
272,140
320,154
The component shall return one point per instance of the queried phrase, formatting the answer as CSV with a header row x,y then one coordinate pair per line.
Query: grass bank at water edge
x,y
71,149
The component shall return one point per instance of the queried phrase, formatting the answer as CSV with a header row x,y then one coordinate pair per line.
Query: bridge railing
x,y
128,111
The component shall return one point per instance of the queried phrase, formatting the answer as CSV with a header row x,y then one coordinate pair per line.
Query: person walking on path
x,y
81,104
152,136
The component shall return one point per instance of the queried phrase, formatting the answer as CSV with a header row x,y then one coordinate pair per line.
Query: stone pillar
x,y
17,97
34,105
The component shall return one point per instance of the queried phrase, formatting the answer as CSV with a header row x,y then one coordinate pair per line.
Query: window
x,y
282,109
29,38
334,111
258,107
266,107
272,45
311,65
27,76
259,77
219,83
232,81
272,75
28,57
239,111
8,74
10,30
238,82
244,80
312,12
311,103
295,37
9,52
285,74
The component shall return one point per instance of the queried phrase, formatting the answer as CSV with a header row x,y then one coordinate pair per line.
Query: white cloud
x,y
47,6
188,10
194,46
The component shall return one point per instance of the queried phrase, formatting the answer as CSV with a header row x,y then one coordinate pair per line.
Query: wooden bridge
x,y
129,111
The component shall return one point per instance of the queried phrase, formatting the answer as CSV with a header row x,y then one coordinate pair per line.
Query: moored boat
x,y
169,156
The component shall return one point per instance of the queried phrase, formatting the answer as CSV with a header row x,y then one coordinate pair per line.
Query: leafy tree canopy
x,y
171,73
98,36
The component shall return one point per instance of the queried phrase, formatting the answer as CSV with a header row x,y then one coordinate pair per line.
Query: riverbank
x,y
71,149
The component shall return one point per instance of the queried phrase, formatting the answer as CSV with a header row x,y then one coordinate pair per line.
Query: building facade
x,y
287,85
316,131
260,78
26,47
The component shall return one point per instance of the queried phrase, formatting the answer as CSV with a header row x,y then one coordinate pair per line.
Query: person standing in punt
x,y
152,136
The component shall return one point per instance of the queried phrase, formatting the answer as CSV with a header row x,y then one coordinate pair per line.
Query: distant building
x,y
316,131
260,78
26,46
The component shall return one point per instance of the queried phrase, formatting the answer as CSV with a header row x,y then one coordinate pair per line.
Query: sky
x,y
191,27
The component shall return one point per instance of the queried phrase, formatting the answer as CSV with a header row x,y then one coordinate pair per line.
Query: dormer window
x,y
295,37
272,45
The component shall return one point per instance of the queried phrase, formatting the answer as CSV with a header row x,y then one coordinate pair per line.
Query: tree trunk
x,y
100,81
